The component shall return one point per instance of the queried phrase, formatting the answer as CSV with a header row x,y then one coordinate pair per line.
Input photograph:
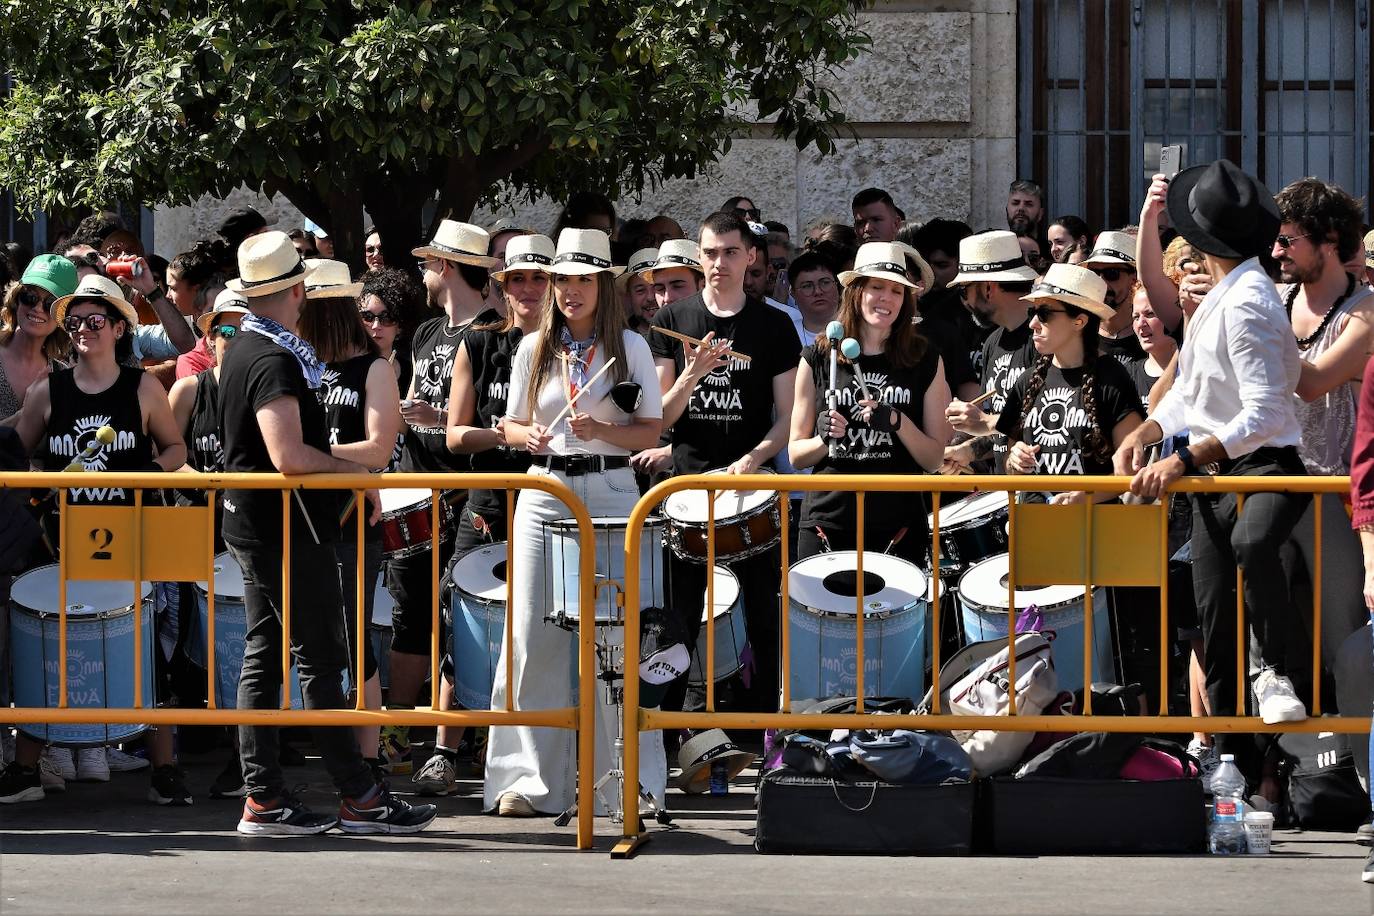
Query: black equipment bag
x,y
1034,816
1324,791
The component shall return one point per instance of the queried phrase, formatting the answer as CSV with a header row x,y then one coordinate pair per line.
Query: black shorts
x,y
412,584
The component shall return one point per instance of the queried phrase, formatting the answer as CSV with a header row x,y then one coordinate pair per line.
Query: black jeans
x,y
319,647
1223,540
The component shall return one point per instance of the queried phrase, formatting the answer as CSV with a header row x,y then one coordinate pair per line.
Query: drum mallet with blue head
x,y
834,331
850,349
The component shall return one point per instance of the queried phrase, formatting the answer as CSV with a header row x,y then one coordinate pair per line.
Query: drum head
x,y
727,593
567,527
481,573
985,584
401,498
827,583
228,578
382,603
691,505
979,505
36,591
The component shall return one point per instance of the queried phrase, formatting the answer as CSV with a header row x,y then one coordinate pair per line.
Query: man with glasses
x,y
876,217
1113,259
816,292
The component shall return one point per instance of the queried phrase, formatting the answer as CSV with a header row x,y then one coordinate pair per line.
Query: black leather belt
x,y
577,465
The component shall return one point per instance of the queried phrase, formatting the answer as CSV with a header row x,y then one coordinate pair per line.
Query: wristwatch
x,y
1185,454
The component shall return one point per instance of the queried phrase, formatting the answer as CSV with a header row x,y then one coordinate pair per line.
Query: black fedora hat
x,y
1221,210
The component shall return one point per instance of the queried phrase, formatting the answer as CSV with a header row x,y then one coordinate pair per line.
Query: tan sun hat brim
x,y
255,290
129,313
1023,273
528,261
849,276
452,254
205,321
337,291
1044,292
927,272
567,265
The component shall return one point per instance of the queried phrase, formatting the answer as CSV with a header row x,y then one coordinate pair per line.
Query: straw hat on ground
x,y
330,279
268,263
463,243
527,252
584,251
992,257
1074,285
98,287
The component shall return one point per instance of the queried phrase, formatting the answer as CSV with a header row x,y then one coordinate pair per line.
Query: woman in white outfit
x,y
533,770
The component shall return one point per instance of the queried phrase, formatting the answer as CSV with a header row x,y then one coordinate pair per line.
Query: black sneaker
x,y
282,816
229,782
1364,836
169,787
20,784
1367,876
381,812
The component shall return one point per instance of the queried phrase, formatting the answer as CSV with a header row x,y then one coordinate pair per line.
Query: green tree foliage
x,y
389,104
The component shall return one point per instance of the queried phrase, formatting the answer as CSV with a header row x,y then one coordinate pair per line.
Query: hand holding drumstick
x,y
709,341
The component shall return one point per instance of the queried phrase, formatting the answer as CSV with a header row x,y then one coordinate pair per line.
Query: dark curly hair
x,y
203,265
400,293
1325,213
1097,446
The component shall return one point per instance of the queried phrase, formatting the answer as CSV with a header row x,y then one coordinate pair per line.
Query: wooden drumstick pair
x,y
978,401
685,338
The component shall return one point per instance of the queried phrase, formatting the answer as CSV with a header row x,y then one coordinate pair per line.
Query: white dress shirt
x,y
1238,369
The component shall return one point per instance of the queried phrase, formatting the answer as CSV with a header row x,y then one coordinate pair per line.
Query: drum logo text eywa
x,y
79,671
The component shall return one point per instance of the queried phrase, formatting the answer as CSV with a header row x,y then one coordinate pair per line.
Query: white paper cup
x,y
1259,832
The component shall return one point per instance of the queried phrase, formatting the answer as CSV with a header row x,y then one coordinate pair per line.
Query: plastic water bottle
x,y
720,778
1227,835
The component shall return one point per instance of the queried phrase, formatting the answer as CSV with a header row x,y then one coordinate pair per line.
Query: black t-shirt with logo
x,y
490,352
730,409
204,450
869,451
345,398
257,372
1058,423
1125,349
432,352
1006,355
75,418
1142,380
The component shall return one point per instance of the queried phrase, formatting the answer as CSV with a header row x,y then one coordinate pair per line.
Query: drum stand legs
x,y
609,658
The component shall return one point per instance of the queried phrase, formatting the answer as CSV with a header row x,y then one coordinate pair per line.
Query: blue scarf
x,y
311,367
581,353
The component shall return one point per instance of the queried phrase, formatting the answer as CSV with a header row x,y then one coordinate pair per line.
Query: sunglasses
x,y
1112,274
1043,313
385,317
227,331
30,299
95,323
748,214
1288,241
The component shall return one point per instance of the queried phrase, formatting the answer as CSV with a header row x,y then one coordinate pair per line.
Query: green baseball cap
x,y
53,272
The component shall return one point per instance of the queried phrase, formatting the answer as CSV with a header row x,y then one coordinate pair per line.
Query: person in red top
x,y
1362,501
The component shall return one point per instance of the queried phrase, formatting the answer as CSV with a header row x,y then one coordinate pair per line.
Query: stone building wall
x,y
933,107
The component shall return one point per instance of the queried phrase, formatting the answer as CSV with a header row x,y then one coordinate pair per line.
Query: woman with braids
x,y
1068,413
588,449
194,278
900,430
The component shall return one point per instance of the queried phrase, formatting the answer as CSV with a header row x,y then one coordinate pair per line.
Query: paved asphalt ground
x,y
103,849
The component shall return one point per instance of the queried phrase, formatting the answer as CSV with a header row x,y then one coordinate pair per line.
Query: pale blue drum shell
x,y
823,656
100,653
563,552
479,626
731,632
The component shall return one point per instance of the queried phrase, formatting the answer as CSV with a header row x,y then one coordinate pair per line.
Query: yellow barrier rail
x,y
176,544
1041,547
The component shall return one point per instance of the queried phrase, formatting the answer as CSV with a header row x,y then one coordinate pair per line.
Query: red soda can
x,y
127,266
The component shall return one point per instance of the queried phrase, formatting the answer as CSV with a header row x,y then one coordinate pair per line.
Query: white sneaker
x,y
60,759
120,762
91,765
436,777
48,777
1277,701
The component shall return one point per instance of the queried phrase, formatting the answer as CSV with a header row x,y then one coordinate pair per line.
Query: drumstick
x,y
566,359
982,397
581,391
692,340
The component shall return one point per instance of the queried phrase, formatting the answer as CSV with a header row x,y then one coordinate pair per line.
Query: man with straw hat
x,y
272,421
1113,259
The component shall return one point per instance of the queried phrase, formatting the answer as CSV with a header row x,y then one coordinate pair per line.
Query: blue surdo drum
x,y
100,652
478,611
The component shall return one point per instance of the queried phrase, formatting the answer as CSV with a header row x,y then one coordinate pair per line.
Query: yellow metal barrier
x,y
141,543
1048,544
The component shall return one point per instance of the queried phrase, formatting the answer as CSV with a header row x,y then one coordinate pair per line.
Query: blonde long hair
x,y
610,324
56,348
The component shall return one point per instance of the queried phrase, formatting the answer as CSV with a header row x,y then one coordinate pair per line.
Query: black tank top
x,y
72,426
344,396
204,449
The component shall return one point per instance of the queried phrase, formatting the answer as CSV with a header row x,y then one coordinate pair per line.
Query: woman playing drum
x,y
889,416
531,770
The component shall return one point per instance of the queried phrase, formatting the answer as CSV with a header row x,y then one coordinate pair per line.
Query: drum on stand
x,y
478,622
562,554
823,654
972,529
100,652
727,617
983,602
746,522
406,521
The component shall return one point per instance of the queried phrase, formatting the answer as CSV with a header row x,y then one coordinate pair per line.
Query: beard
x,y
1020,224
1290,272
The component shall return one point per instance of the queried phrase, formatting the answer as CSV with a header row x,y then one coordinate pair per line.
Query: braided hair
x,y
1097,446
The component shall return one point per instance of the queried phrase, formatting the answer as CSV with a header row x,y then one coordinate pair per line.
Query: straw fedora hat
x,y
881,261
330,279
1112,249
98,287
642,261
701,750
268,263
584,251
994,256
1075,285
527,252
677,253
227,302
927,273
1369,249
461,242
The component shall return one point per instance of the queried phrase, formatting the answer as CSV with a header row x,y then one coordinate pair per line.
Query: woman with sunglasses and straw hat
x,y
532,770
1070,412
890,413
477,427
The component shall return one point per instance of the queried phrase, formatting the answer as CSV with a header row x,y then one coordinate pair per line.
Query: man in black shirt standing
x,y
728,413
1113,259
272,420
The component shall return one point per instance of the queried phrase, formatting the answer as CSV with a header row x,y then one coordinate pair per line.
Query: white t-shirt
x,y
596,402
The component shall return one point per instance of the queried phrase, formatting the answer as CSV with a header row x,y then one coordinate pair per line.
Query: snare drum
x,y
731,633
479,622
972,529
562,554
983,604
823,658
405,522
100,652
747,522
